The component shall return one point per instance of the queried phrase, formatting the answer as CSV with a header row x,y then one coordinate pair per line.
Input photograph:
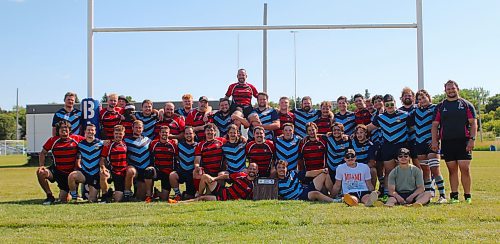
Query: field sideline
x,y
24,219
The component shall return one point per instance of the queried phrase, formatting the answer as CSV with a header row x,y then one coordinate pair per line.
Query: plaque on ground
x,y
265,189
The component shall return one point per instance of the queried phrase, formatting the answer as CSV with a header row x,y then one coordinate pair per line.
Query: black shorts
x,y
413,149
139,175
305,192
187,177
423,148
165,182
119,182
359,194
246,109
60,177
378,152
453,150
406,195
390,150
92,180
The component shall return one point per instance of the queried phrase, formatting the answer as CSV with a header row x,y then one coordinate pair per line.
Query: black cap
x,y
403,151
203,98
350,151
122,97
388,98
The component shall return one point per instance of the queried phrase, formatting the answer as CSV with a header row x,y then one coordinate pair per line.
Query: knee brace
x,y
149,173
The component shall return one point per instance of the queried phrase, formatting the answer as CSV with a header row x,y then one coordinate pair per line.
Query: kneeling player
x,y
406,183
355,179
116,155
184,172
241,186
64,150
163,152
89,151
289,187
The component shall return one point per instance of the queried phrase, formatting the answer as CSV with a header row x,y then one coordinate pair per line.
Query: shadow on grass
x,y
24,202
26,165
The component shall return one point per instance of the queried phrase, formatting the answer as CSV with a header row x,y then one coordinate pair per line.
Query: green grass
x,y
12,160
23,219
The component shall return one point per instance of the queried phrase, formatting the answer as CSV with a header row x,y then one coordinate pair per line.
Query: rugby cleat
x,y
49,200
442,200
172,201
148,199
178,198
468,200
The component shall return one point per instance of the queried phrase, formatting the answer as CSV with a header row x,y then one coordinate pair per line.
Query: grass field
x,y
23,219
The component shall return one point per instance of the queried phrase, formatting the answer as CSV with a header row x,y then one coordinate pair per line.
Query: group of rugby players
x,y
314,154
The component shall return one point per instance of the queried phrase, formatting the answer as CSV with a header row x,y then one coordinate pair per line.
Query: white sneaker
x,y
442,200
372,199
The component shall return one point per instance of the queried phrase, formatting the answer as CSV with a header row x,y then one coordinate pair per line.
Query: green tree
x,y
22,120
493,103
130,99
7,127
104,98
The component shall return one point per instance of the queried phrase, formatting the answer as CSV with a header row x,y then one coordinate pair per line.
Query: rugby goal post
x,y
264,28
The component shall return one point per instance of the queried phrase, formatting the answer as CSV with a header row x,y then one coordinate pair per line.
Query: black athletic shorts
x,y
453,150
187,177
92,180
305,192
139,175
406,195
118,181
246,109
423,148
390,150
359,194
165,182
412,146
60,177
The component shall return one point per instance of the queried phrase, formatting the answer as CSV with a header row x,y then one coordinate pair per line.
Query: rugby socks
x,y
467,196
73,194
454,195
177,191
440,185
127,193
428,185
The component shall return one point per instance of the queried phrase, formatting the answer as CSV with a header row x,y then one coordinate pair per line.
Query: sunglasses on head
x,y
389,104
404,155
349,156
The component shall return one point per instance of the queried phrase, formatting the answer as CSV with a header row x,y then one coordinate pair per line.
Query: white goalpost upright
x,y
91,30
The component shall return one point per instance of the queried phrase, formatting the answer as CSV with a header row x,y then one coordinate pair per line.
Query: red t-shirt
x,y
242,93
116,154
313,153
164,155
262,155
211,155
64,151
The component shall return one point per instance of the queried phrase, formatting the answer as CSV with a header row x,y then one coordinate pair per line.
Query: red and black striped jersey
x,y
261,154
64,151
211,155
128,123
195,118
116,154
313,153
241,188
324,124
362,116
242,93
287,117
163,154
176,125
108,120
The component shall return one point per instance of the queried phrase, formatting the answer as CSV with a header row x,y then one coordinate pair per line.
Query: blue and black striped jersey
x,y
335,151
138,154
394,126
302,118
222,122
423,118
149,124
235,156
376,135
410,110
73,117
182,112
90,154
364,151
288,150
290,188
186,155
348,120
267,117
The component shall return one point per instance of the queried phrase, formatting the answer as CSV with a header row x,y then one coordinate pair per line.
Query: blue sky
x,y
43,48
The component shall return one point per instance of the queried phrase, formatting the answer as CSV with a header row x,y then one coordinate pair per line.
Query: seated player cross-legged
x,y
355,180
290,188
406,183
241,186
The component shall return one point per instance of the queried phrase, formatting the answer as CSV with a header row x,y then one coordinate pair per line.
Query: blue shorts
x,y
390,150
423,148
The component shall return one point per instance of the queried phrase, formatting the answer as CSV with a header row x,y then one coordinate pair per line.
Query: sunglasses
x,y
389,104
404,155
349,156
337,130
